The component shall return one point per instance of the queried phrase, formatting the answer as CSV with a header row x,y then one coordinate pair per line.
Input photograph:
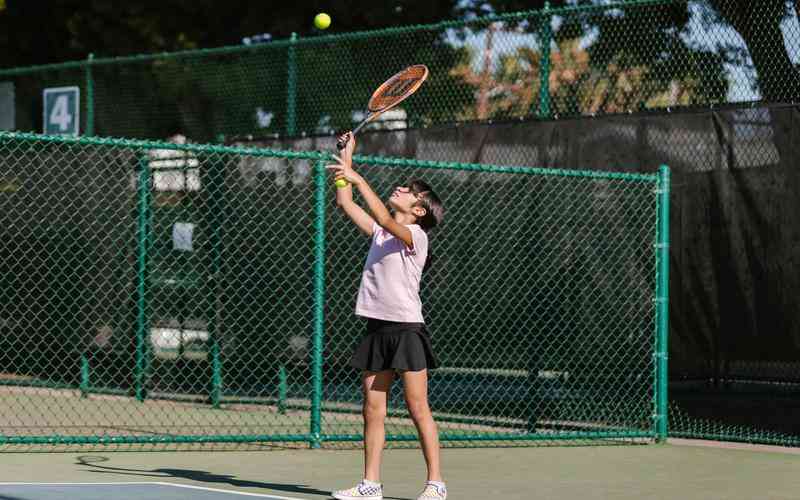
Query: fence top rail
x,y
332,38
320,156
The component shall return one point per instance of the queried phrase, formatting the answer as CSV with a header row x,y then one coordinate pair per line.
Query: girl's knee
x,y
418,409
374,410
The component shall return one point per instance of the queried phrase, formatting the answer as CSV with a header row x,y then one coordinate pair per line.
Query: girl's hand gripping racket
x,y
391,93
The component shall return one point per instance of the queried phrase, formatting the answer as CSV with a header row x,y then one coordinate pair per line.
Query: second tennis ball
x,y
341,183
322,20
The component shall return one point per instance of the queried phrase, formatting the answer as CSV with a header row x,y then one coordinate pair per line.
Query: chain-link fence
x,y
157,293
635,56
734,329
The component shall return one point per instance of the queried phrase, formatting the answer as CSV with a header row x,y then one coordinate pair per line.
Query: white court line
x,y
230,492
76,484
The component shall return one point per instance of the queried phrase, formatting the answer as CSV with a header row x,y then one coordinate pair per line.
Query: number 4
x,y
60,114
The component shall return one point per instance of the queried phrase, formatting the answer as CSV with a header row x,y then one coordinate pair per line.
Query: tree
x,y
639,33
589,80
204,96
759,26
50,31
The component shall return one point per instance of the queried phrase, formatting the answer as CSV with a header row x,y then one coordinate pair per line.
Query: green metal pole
x,y
291,97
283,389
325,157
143,240
545,38
216,181
319,307
89,96
662,302
57,439
84,376
505,436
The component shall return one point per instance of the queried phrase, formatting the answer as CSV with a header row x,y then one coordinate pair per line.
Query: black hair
x,y
427,199
434,211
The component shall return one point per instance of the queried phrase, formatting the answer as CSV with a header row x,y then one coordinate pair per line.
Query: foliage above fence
x,y
619,58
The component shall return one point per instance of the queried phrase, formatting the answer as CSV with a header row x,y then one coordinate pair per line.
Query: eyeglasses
x,y
415,192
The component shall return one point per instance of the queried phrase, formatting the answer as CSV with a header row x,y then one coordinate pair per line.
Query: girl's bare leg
x,y
375,386
415,388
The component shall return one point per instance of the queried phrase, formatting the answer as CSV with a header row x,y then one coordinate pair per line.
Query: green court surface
x,y
670,471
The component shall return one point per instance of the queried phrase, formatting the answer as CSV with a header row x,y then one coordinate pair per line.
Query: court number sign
x,y
62,110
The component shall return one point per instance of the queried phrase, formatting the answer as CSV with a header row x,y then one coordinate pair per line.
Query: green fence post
x,y
216,208
283,389
319,306
291,90
662,302
545,38
84,375
89,96
143,242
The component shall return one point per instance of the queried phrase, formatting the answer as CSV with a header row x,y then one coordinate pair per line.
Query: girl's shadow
x,y
203,476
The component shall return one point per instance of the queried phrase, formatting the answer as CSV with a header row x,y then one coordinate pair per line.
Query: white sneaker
x,y
433,492
361,491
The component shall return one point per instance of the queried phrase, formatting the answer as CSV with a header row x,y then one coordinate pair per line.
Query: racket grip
x,y
355,130
340,145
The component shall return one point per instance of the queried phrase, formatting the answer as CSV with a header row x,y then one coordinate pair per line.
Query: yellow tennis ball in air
x,y
341,183
322,20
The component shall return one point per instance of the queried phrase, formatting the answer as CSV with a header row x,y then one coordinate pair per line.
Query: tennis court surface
x,y
626,472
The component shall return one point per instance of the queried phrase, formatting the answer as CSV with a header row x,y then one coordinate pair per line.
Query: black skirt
x,y
389,345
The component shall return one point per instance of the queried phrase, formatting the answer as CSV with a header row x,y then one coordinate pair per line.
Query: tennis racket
x,y
391,93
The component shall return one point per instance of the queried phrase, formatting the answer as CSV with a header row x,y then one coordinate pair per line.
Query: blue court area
x,y
119,491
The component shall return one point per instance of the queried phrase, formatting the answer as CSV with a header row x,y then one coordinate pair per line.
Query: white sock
x,y
437,483
371,483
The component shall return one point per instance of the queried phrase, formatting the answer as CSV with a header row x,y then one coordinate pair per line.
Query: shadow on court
x,y
93,462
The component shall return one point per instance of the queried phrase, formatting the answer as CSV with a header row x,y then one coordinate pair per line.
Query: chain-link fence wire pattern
x,y
522,298
161,294
734,271
117,292
637,56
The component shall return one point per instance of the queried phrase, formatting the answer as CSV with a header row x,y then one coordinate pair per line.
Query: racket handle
x,y
363,122
340,146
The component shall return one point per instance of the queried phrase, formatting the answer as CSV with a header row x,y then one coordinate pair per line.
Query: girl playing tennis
x,y
396,341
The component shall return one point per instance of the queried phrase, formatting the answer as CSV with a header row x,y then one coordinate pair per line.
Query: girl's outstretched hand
x,y
346,143
344,169
345,172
